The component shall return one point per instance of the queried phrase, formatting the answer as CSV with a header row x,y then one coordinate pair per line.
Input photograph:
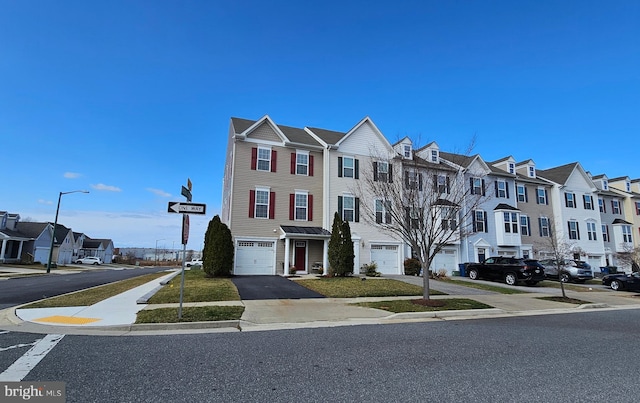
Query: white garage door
x,y
255,257
41,254
386,257
447,260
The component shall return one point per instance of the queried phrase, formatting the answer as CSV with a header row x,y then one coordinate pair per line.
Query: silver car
x,y
571,270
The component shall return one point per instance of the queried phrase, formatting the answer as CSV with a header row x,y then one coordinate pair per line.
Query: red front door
x,y
300,258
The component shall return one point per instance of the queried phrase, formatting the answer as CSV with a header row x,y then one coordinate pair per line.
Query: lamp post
x,y
157,249
55,224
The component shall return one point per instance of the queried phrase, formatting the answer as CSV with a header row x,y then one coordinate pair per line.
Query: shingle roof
x,y
318,231
621,221
294,134
558,174
328,136
31,229
503,206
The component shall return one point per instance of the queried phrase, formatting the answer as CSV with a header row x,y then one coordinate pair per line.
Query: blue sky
x,y
128,99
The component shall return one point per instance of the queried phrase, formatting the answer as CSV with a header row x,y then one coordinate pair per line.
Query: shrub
x,y
412,267
218,249
370,269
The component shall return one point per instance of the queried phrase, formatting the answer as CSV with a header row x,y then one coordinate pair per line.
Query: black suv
x,y
510,269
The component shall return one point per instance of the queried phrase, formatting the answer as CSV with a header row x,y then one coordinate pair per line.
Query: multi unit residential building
x,y
282,186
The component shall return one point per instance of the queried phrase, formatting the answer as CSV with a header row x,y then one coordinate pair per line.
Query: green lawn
x,y
487,287
190,314
96,294
197,288
352,287
449,304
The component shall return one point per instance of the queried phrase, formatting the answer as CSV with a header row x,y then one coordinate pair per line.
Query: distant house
x,y
13,243
36,249
63,247
102,248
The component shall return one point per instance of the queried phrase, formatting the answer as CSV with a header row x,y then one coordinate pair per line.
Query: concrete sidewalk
x,y
116,315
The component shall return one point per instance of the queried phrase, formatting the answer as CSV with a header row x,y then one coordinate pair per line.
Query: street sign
x,y
185,229
186,193
187,208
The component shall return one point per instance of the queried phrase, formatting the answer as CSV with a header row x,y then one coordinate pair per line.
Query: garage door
x,y
41,255
255,257
386,257
446,259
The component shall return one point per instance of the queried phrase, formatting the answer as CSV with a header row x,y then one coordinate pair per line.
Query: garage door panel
x,y
445,260
386,258
254,258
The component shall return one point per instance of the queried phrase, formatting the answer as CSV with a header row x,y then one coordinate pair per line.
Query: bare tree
x,y
428,205
630,257
559,249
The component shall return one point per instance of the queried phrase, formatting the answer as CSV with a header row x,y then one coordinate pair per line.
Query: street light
x,y
55,224
157,249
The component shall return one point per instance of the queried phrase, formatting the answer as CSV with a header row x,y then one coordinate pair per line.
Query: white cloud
x,y
159,192
72,175
42,201
101,186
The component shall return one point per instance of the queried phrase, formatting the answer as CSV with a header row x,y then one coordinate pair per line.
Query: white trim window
x,y
262,203
448,217
301,206
605,184
570,200
591,231
434,156
545,228
348,208
348,167
532,172
601,205
638,208
626,234
588,202
264,159
302,163
605,233
382,168
479,221
525,227
501,189
510,222
615,205
522,193
627,186
541,196
574,230
512,168
383,214
406,150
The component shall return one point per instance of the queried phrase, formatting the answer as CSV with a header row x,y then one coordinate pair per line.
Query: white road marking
x,y
18,346
23,365
5,332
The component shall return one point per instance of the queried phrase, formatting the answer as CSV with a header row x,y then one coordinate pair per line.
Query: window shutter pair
x,y
389,173
252,204
254,159
356,208
292,207
294,162
356,168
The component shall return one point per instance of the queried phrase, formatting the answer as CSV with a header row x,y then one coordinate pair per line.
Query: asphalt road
x,y
271,287
584,357
17,291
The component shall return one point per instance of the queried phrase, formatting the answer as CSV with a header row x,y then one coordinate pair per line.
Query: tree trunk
x,y
425,281
562,287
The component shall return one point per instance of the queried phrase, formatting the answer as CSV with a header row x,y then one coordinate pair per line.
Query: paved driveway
x,y
271,287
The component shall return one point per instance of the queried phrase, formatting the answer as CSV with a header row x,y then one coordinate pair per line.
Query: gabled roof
x,y
31,229
560,174
91,243
288,134
376,131
60,233
621,221
329,137
461,160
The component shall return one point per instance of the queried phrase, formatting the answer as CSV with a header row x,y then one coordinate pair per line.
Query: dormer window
x,y
605,184
627,186
406,150
434,156
512,168
532,172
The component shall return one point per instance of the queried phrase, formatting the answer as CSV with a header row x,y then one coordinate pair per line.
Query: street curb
x,y
444,314
146,297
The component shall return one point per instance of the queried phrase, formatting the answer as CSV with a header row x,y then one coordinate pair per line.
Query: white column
x,y
287,243
325,256
4,247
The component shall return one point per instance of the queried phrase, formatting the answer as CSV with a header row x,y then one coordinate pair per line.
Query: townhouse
x,y
282,186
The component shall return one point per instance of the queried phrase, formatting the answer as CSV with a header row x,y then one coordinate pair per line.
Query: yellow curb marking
x,y
70,320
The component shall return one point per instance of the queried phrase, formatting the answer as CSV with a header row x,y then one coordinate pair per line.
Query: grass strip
x,y
571,287
487,287
197,288
398,306
565,299
352,287
190,314
96,294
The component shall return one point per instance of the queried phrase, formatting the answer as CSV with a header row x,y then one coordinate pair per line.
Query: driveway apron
x,y
271,287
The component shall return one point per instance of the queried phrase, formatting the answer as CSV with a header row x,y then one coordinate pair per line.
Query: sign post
x,y
186,192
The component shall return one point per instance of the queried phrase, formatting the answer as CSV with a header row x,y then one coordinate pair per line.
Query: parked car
x,y
571,270
511,270
194,262
617,282
89,260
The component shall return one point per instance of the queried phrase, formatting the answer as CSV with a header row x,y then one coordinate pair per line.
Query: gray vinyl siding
x,y
265,132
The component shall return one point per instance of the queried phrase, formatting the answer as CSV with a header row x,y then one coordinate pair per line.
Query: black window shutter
x,y
419,181
484,218
340,206
357,208
496,183
339,167
375,171
471,187
390,173
546,197
356,166
526,195
506,188
483,193
406,179
475,227
540,225
448,188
